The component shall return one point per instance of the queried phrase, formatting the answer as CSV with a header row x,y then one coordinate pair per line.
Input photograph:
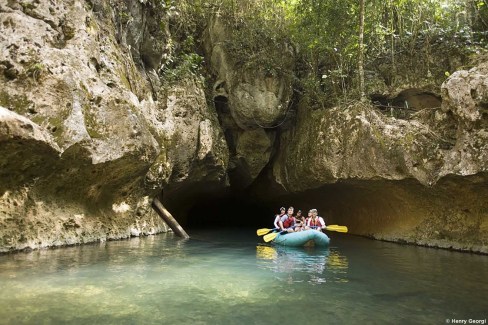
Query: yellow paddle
x,y
336,228
269,237
264,231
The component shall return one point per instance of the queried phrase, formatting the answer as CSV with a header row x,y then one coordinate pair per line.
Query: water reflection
x,y
112,255
222,277
301,264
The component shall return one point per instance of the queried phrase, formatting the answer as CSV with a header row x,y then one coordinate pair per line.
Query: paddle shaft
x,y
264,231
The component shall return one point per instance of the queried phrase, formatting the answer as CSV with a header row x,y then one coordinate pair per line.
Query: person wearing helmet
x,y
278,217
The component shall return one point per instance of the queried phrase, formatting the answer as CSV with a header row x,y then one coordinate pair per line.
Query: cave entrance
x,y
341,203
404,211
230,210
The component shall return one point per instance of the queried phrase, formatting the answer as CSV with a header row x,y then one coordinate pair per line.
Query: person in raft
x,y
278,217
316,222
300,221
287,222
307,219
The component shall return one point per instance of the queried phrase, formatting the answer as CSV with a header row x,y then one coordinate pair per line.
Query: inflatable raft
x,y
303,238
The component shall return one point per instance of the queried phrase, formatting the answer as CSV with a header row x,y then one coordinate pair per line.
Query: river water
x,y
232,277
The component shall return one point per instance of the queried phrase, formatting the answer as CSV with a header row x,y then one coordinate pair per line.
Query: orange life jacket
x,y
315,223
289,222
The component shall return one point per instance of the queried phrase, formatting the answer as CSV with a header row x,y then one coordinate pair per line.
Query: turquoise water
x,y
231,277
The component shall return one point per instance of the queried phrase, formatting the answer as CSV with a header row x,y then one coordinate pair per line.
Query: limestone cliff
x,y
251,102
87,138
91,131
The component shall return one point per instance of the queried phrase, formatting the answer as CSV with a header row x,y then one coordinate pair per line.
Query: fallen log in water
x,y
168,218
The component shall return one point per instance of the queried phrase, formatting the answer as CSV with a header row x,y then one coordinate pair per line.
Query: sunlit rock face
x,y
256,97
425,174
465,99
86,130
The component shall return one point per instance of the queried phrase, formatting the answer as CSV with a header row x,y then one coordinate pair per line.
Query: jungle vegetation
x,y
329,42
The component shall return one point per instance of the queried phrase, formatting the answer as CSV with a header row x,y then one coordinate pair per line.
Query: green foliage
x,y
402,36
181,66
181,58
325,33
35,70
257,34
259,39
257,29
185,64
398,33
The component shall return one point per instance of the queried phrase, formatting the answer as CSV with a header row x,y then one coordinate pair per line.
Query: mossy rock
x,y
17,103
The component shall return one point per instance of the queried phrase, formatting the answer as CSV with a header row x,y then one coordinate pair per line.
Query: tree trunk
x,y
361,51
393,31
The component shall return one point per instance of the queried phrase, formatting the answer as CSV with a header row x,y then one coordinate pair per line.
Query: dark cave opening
x,y
403,211
247,209
406,102
375,208
230,210
253,208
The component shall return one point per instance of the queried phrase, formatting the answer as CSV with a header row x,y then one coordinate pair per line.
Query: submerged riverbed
x,y
232,277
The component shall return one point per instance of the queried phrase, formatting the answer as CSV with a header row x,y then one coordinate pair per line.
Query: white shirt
x,y
277,220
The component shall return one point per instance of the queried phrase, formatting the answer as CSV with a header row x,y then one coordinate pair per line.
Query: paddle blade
x,y
263,231
269,237
337,228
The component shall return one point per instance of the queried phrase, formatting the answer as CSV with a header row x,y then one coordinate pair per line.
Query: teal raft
x,y
303,238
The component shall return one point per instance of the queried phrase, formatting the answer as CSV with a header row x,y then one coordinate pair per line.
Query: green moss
x,y
56,127
86,91
28,5
408,139
17,103
124,79
21,105
91,26
68,31
91,123
124,17
380,139
53,124
39,120
89,117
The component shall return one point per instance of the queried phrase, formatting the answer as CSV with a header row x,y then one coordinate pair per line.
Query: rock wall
x,y
421,180
87,137
89,133
251,103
